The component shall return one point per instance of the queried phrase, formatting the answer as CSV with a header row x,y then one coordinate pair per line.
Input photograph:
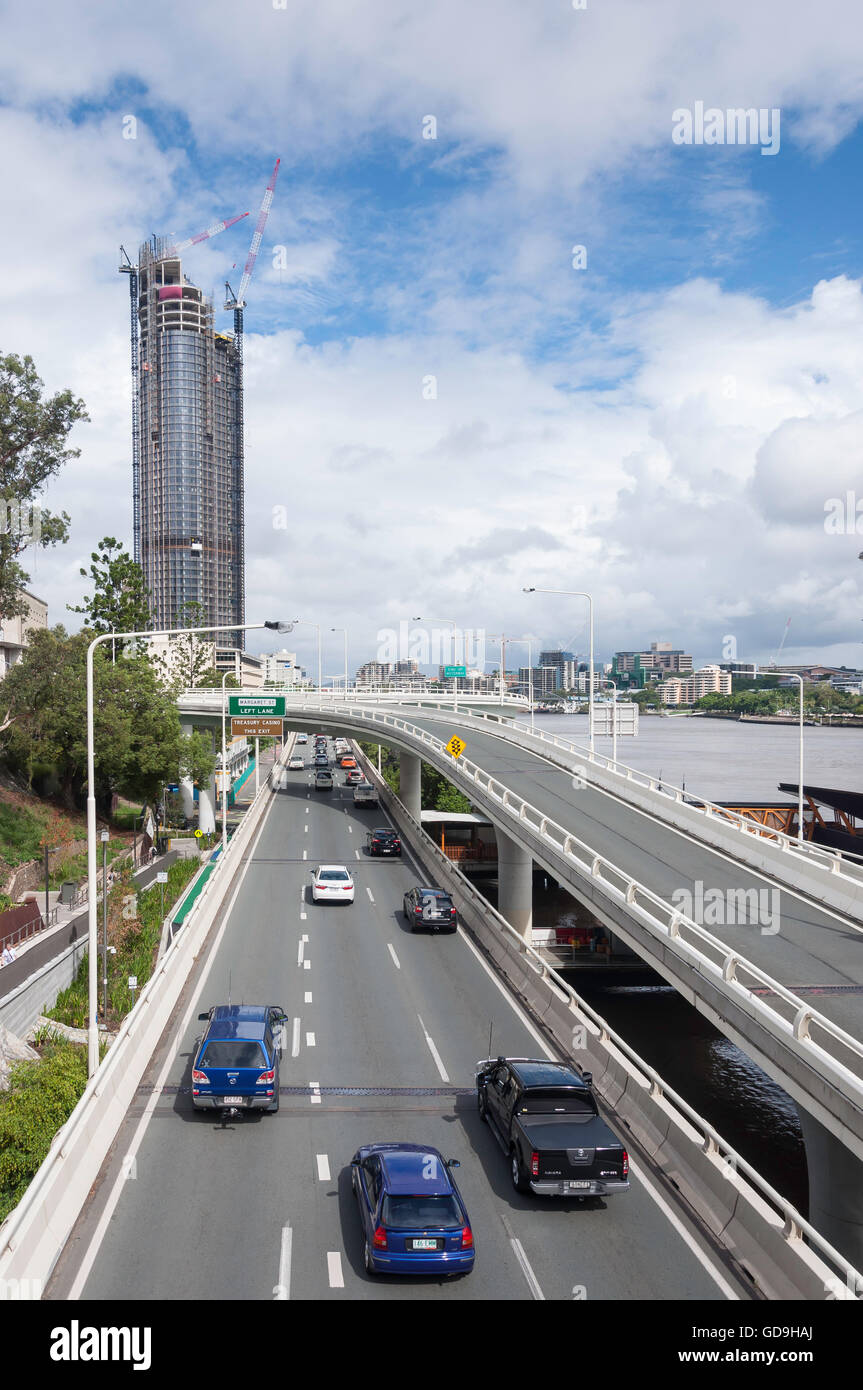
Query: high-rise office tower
x,y
187,452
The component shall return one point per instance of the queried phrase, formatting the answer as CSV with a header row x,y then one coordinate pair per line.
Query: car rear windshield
x,y
551,1102
334,875
233,1052
418,1213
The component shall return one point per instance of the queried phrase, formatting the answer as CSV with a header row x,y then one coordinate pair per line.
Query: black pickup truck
x,y
545,1118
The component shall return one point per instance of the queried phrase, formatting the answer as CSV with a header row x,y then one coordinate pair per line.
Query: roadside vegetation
x,y
436,792
40,1099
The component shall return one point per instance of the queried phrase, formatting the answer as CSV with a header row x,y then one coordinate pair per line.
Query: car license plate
x,y
233,1100
574,1186
425,1245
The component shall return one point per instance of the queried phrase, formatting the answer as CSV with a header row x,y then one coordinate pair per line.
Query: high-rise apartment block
x,y
636,668
187,448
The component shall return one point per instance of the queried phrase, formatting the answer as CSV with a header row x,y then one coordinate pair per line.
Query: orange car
x,y
348,761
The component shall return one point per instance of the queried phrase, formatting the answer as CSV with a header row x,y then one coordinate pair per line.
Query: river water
x,y
720,760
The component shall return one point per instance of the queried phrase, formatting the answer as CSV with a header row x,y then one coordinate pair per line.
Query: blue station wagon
x,y
413,1217
237,1062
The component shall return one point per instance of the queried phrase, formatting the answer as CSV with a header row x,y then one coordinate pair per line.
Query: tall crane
x,y
132,270
237,302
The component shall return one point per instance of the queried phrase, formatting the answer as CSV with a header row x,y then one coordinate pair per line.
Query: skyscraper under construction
x,y
187,447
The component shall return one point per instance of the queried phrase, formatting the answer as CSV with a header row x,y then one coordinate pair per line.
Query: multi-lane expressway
x,y
384,1030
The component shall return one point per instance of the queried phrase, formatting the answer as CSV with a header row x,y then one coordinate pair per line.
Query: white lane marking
x,y
310,1040
306,829
315,1088
334,1269
688,1239
323,1167
282,1291
305,854
392,952
88,1259
434,1052
369,891
518,1251
295,1038
307,810
308,998
304,916
307,965
350,830
301,946
305,937
357,853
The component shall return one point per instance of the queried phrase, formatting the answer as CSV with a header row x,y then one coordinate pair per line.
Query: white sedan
x,y
332,883
295,764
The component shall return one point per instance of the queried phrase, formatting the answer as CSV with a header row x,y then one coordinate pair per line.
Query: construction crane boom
x,y
257,238
205,236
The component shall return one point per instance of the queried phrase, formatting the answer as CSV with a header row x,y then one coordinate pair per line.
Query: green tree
x,y
120,598
197,758
190,661
33,434
137,728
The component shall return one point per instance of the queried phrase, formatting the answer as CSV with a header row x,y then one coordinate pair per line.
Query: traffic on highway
x,y
329,1069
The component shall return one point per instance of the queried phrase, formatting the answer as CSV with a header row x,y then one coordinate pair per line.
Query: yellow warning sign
x,y
455,746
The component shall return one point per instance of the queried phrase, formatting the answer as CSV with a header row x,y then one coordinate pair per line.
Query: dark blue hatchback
x,y
237,1063
414,1219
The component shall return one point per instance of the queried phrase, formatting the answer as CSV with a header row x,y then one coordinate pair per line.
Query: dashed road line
x,y
369,891
315,1088
518,1251
301,946
434,1052
295,1038
323,1167
310,1040
392,952
334,1269
282,1291
307,965
308,998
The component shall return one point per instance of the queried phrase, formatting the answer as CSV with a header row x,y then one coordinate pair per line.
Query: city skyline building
x,y
187,455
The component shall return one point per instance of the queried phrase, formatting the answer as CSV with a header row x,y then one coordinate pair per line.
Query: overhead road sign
x,y
256,727
454,672
257,706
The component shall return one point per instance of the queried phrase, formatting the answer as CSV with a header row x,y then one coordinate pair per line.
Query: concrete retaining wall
x,y
22,1006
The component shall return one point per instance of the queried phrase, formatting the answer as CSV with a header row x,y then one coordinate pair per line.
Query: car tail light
x,y
266,1078
347,887
625,1164
379,1239
201,1078
452,912
467,1238
418,911
534,1165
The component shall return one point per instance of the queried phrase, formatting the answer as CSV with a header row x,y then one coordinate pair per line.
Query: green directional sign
x,y
453,672
257,706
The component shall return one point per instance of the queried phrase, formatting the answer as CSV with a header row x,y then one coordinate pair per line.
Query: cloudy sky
x,y
448,399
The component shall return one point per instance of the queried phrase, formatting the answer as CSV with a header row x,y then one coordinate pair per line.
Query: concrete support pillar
x,y
207,804
410,777
835,1189
515,884
187,789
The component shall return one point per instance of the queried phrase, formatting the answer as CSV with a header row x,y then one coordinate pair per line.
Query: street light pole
x,y
578,593
800,765
225,674
613,685
454,626
528,642
345,631
92,914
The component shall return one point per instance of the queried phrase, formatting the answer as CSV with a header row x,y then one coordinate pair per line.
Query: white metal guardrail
x,y
794,1022
795,1226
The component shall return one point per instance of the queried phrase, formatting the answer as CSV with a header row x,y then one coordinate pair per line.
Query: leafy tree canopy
x,y
33,434
120,598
